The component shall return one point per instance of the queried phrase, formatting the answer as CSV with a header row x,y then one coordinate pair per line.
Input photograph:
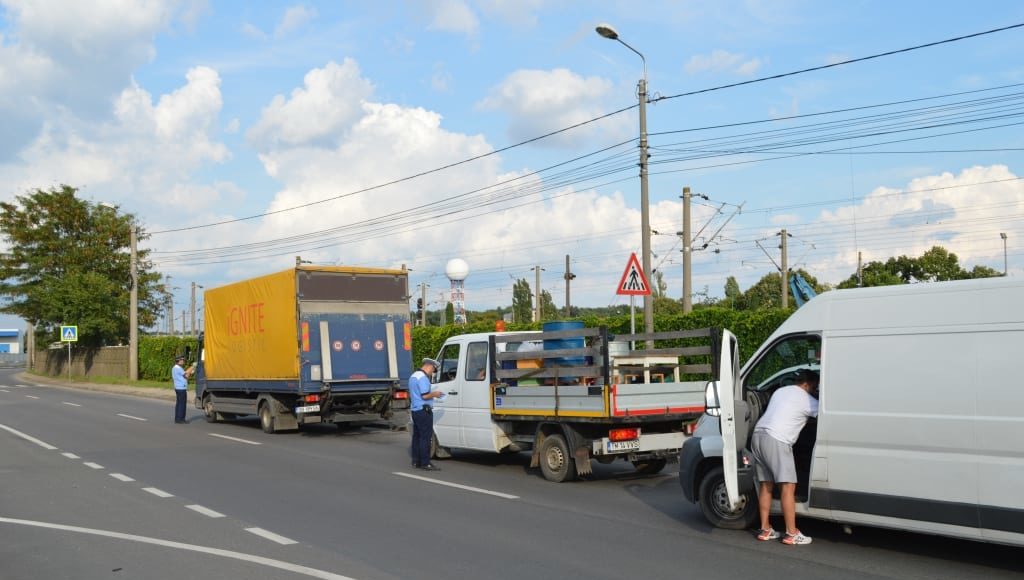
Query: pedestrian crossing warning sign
x,y
69,334
633,282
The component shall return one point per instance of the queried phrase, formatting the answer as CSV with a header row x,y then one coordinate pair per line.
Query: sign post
x,y
633,284
69,334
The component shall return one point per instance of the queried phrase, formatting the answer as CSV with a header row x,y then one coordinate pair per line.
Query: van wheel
x,y
650,466
714,502
211,415
267,418
556,461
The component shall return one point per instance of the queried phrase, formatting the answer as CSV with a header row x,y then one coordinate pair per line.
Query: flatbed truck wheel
x,y
650,466
267,418
714,503
556,461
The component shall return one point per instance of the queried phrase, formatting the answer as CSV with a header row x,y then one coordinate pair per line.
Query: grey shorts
x,y
773,459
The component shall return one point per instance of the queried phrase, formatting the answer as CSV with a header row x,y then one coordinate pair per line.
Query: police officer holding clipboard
x,y
420,397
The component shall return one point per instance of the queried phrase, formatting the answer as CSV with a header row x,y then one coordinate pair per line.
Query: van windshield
x,y
777,367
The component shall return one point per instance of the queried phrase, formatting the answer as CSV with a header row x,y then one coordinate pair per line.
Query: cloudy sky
x,y
505,133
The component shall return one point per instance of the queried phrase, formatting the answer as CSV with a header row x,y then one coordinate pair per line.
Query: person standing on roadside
x,y
421,397
772,445
179,378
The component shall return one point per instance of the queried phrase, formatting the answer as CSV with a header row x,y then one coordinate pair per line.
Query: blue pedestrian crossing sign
x,y
69,334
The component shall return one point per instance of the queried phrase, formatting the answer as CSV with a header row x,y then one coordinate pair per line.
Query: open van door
x,y
724,399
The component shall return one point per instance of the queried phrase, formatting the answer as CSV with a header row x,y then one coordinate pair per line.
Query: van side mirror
x,y
712,404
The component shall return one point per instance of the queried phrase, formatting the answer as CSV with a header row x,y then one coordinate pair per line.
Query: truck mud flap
x,y
579,444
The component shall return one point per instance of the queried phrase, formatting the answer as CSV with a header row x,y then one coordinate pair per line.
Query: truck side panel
x,y
251,329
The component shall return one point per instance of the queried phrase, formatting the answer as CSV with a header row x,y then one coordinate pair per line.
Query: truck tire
x,y
556,461
650,466
714,503
211,415
267,417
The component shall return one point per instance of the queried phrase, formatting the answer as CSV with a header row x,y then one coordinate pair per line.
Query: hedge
x,y
156,355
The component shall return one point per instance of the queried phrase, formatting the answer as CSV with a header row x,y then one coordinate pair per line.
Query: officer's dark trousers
x,y
179,404
422,432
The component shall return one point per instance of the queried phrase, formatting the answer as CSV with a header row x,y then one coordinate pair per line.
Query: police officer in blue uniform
x,y
421,396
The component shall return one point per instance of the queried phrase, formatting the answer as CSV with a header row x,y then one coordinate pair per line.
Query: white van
x,y
921,416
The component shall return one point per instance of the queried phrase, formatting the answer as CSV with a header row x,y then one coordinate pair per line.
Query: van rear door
x,y
725,399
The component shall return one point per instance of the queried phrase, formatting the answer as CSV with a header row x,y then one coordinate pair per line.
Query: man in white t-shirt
x,y
772,446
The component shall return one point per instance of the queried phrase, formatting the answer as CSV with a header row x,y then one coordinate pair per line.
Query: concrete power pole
x,y
860,270
537,308
192,307
133,310
568,279
423,299
784,269
687,254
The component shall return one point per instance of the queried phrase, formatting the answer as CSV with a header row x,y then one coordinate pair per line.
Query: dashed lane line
x,y
133,417
457,485
271,536
70,456
27,437
251,558
229,438
70,404
4,391
92,465
205,511
121,477
32,396
157,492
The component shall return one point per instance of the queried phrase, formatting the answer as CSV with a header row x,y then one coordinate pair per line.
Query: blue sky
x,y
189,113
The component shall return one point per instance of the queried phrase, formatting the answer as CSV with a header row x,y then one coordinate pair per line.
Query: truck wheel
x,y
714,502
267,418
556,461
650,466
211,415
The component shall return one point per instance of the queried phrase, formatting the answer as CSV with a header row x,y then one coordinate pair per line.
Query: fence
x,y
9,360
109,361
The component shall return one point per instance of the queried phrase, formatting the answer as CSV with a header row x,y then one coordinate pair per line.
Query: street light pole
x,y
1003,235
606,31
133,311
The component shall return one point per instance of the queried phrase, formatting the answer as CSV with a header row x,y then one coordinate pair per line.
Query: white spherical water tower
x,y
457,270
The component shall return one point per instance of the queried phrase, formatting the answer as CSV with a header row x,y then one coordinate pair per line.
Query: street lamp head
x,y
607,31
1002,235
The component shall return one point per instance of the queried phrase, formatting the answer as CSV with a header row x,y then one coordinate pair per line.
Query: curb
x,y
144,392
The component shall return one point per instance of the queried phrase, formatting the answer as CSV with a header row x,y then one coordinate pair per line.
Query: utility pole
x,y
537,309
194,286
1005,263
568,279
183,322
444,310
133,310
860,270
423,301
687,254
784,269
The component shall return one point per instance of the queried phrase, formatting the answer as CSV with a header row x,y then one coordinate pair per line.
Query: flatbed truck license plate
x,y
631,445
308,409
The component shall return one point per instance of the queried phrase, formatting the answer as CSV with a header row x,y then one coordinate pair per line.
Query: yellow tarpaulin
x,y
251,329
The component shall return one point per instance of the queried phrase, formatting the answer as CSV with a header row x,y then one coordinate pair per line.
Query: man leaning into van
x,y
772,446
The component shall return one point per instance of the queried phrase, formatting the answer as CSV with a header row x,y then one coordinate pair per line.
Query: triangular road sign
x,y
633,282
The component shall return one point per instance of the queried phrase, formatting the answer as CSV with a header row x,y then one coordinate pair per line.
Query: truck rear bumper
x,y
669,443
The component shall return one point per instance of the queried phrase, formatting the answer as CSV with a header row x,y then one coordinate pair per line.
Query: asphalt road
x,y
99,485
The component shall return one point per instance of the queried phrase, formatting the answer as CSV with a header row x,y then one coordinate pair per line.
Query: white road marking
x,y
92,465
205,511
121,477
131,417
456,485
32,396
251,558
70,456
22,386
27,437
72,404
157,492
4,391
271,536
234,439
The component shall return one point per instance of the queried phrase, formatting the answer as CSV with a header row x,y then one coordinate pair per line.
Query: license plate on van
x,y
617,446
308,409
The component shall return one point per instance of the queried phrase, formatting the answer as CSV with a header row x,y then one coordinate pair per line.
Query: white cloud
x,y
252,31
540,101
836,57
295,17
325,108
441,79
517,12
451,16
723,61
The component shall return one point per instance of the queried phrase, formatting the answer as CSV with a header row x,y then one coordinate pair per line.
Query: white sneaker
x,y
797,539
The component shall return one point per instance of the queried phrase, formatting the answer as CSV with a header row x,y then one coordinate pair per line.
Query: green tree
x,y
548,310
68,263
733,294
522,301
935,265
659,289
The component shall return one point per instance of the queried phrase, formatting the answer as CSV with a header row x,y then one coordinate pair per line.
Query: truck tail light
x,y
401,395
623,434
311,398
690,428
